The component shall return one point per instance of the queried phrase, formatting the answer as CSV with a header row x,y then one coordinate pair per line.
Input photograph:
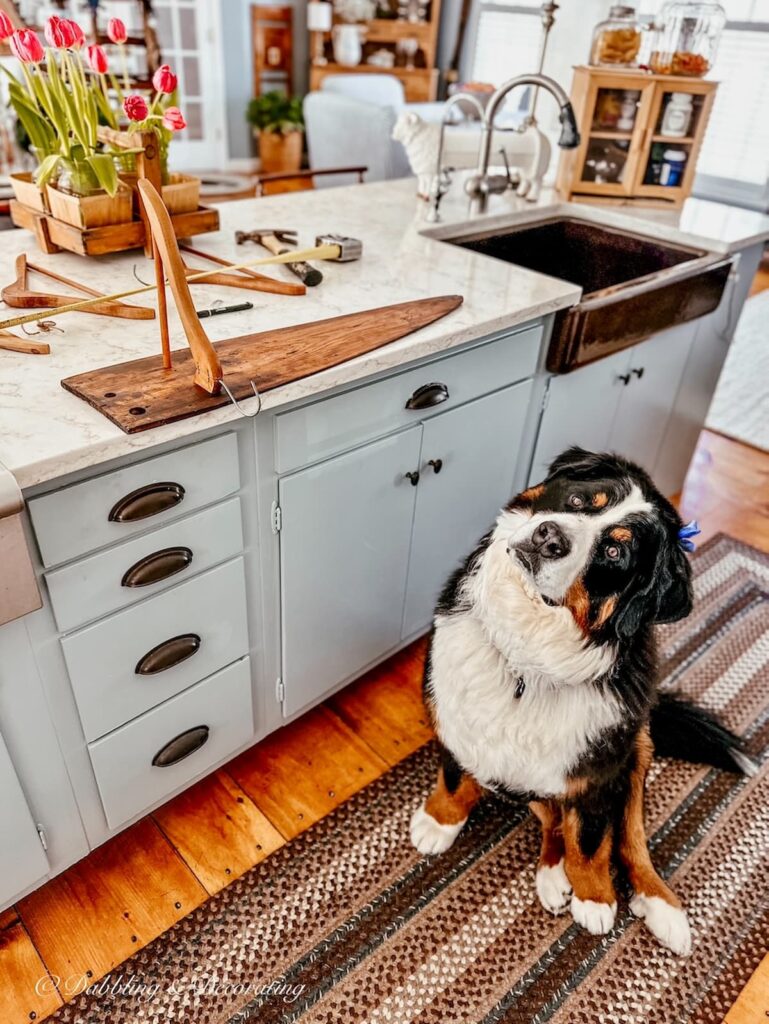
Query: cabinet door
x,y
656,368
22,860
344,550
581,407
475,449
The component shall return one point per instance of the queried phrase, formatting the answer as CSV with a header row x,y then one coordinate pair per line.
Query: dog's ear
x,y
574,458
663,594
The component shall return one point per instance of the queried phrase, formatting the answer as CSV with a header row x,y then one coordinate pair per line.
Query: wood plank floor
x,y
89,919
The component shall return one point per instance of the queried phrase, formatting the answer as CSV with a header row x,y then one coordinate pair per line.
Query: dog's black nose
x,y
550,540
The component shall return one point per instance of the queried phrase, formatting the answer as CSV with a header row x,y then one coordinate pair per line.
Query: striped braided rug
x,y
349,924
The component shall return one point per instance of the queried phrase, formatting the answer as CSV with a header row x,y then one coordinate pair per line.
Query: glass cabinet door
x,y
676,125
609,151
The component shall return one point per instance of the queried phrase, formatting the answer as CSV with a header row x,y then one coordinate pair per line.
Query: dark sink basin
x,y
633,286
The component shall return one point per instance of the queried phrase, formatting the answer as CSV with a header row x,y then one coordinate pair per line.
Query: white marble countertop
x,y
45,432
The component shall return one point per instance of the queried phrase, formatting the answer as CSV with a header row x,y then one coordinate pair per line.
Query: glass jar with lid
x,y
617,40
687,37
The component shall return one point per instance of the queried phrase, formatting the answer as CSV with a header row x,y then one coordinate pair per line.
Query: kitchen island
x,y
205,581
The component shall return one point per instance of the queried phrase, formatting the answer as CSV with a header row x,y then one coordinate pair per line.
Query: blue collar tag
x,y
685,534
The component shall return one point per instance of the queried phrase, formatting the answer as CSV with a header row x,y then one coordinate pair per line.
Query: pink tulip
x,y
173,119
164,80
97,60
6,26
78,36
135,107
116,30
57,33
26,46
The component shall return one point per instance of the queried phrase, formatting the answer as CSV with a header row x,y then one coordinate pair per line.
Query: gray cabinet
x,y
622,403
368,538
344,541
467,466
22,858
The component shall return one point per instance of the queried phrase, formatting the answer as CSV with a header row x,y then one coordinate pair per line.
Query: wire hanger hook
x,y
233,399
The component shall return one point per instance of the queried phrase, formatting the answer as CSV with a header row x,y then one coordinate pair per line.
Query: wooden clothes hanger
x,y
250,280
19,295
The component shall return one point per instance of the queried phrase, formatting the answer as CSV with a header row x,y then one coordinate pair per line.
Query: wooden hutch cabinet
x,y
625,154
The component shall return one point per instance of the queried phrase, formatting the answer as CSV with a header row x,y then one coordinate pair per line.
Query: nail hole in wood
x,y
137,410
178,906
110,394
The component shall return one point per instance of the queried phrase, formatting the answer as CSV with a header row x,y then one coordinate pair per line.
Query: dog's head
x,y
597,536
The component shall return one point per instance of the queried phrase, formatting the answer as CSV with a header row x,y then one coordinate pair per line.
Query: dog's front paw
x,y
597,918
428,835
667,923
553,887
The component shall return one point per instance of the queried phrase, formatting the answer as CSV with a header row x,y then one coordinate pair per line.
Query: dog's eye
x,y
575,501
612,552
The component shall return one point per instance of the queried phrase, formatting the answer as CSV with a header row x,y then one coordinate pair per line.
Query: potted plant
x,y
278,125
56,102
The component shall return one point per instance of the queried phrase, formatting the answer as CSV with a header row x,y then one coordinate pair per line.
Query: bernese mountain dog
x,y
541,681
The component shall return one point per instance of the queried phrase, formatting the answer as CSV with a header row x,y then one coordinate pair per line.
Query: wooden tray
x,y
54,235
140,394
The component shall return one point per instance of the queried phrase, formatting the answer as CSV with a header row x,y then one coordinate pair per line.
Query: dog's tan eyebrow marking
x,y
600,499
621,533
533,493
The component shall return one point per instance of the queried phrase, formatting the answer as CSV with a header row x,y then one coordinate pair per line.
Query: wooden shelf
x,y
619,136
420,84
674,140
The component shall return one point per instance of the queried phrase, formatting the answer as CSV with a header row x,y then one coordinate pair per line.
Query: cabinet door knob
x,y
437,464
169,653
181,746
638,371
156,567
624,377
413,477
146,501
427,396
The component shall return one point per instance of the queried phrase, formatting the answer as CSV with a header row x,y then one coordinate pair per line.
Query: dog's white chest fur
x,y
528,744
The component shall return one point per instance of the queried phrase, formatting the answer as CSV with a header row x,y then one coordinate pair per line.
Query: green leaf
x,y
46,170
104,168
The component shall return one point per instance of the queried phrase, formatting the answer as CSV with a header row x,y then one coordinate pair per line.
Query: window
x,y
507,41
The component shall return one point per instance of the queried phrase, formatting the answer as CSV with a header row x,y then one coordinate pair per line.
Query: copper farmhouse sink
x,y
633,286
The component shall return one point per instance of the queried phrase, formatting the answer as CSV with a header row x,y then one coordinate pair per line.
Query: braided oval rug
x,y
347,923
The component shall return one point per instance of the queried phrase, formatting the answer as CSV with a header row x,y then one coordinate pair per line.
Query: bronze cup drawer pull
x,y
181,746
168,654
427,396
146,501
157,566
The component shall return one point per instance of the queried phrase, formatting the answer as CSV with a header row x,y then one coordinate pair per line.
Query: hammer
x,y
272,239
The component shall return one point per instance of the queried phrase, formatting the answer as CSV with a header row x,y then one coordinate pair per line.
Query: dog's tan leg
x,y
437,823
553,886
654,900
588,843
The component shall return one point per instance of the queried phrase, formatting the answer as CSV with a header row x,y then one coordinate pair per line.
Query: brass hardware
x,y
413,477
437,465
427,396
156,567
146,501
168,654
181,746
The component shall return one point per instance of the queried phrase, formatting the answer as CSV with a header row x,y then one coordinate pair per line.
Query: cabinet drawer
x,y
209,721
135,660
317,431
124,574
109,508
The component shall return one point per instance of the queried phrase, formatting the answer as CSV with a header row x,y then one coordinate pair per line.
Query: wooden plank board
x,y
27,992
385,707
106,907
217,831
140,394
301,772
